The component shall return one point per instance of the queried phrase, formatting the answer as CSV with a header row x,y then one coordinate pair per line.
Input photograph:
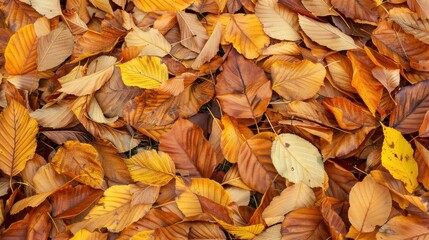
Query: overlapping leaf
x,y
17,138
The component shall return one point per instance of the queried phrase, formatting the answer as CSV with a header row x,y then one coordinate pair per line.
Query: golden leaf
x,y
144,72
152,168
162,5
246,35
21,51
397,158
17,138
113,211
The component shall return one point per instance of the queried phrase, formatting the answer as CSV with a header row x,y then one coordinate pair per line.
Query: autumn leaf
x,y
17,138
152,5
21,51
144,72
370,205
151,168
82,165
298,160
115,210
246,35
242,88
397,157
297,81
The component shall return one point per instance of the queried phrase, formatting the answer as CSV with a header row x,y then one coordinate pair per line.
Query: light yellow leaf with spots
x,y
397,158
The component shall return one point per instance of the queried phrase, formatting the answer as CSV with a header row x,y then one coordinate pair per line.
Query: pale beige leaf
x,y
298,160
279,22
193,34
370,205
96,114
239,195
29,81
54,116
210,49
54,48
411,23
271,233
320,7
389,78
297,81
152,41
99,72
47,8
326,35
294,197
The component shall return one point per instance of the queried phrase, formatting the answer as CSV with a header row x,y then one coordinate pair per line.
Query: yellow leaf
x,y
242,232
79,160
279,22
298,160
144,235
144,72
114,210
202,192
21,51
84,234
370,205
397,158
246,35
162,5
151,168
104,5
297,81
17,138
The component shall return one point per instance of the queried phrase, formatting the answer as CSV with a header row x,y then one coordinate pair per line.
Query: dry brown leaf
x,y
242,88
191,152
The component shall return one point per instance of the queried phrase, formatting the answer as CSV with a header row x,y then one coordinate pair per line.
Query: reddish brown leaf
x,y
412,104
242,88
189,150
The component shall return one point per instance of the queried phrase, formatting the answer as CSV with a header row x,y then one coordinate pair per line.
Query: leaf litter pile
x,y
214,119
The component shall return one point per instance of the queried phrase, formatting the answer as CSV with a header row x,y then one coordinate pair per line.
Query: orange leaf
x,y
79,161
21,51
370,205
